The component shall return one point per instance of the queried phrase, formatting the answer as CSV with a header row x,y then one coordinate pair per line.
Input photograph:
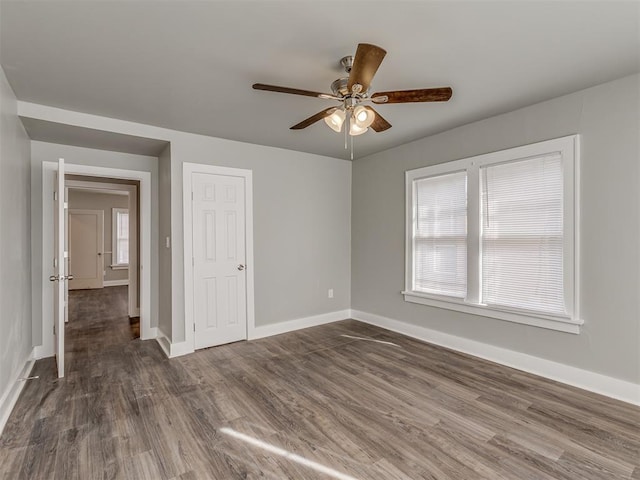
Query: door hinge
x,y
55,196
54,329
193,261
194,327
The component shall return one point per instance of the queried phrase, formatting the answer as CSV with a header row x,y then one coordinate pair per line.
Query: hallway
x,y
98,320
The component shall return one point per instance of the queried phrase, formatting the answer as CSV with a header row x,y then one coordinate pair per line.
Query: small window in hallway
x,y
120,237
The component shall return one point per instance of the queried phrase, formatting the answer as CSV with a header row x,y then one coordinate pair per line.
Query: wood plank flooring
x,y
342,401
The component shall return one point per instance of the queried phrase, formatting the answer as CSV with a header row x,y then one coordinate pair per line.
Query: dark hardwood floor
x,y
343,401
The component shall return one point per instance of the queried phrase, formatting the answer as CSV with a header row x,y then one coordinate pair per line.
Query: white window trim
x,y
568,147
114,239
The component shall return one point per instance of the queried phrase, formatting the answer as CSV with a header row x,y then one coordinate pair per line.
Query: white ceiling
x,y
190,65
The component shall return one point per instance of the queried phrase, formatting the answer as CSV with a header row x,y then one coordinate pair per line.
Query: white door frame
x,y
146,330
132,192
188,169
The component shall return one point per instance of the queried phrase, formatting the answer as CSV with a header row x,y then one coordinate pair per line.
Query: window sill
x,y
119,267
552,323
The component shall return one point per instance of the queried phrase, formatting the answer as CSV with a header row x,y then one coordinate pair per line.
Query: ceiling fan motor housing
x,y
347,63
340,87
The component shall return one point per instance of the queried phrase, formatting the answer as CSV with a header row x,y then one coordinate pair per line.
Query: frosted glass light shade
x,y
362,117
355,130
335,120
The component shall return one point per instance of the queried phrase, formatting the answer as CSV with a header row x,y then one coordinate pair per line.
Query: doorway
x,y
102,250
115,259
142,255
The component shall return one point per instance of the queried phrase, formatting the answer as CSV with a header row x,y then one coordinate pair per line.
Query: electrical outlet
x,y
330,293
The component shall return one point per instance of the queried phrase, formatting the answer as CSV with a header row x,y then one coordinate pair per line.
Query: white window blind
x,y
522,234
121,236
440,235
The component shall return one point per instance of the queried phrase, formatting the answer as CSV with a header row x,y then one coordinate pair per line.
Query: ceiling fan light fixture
x,y
362,117
335,120
355,129
351,117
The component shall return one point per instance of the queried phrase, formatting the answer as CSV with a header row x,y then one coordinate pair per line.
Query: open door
x,y
59,263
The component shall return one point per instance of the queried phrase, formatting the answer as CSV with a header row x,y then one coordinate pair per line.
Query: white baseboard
x,y
594,382
297,324
172,350
115,283
180,348
149,334
164,343
42,351
10,396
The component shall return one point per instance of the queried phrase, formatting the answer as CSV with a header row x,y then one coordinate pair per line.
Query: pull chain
x,y
346,131
351,148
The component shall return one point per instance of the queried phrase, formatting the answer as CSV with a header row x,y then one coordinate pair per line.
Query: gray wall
x,y
164,252
47,152
607,117
302,223
302,220
84,200
15,237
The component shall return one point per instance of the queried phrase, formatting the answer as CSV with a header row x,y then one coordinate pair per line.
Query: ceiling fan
x,y
353,92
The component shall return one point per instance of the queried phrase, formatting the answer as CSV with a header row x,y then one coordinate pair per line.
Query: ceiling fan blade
x,y
313,119
293,91
365,65
379,124
441,94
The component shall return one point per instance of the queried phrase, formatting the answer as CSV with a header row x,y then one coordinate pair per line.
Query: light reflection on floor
x,y
286,454
370,340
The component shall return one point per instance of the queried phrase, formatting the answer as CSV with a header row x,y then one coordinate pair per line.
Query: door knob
x,y
53,278
70,276
240,267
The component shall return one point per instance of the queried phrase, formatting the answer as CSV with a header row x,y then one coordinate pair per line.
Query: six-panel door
x,y
219,278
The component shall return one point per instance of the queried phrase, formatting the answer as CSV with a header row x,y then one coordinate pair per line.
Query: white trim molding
x,y
297,324
188,169
116,283
534,319
594,382
172,350
10,396
43,351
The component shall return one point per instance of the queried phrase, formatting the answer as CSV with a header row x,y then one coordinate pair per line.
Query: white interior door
x,y
66,256
86,243
219,255
59,274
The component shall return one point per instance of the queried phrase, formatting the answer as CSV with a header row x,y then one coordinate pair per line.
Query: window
x,y
120,234
495,235
440,239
